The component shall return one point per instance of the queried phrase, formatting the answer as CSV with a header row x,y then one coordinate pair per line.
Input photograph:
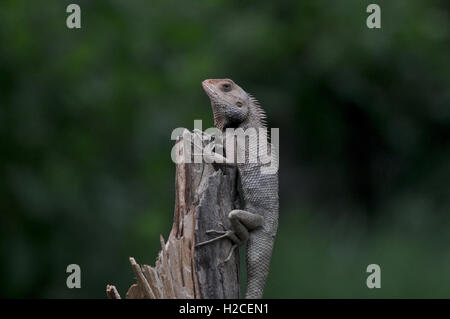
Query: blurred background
x,y
364,115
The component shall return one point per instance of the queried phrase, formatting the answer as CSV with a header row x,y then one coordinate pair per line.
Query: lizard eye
x,y
239,104
226,87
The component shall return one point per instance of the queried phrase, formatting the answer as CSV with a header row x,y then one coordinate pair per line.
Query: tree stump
x,y
204,195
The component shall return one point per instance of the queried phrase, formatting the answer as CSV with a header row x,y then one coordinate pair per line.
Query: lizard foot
x,y
223,234
206,151
203,136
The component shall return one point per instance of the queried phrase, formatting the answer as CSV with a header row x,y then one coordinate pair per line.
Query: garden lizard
x,y
257,222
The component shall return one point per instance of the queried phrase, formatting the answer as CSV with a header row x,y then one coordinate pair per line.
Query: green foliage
x,y
86,117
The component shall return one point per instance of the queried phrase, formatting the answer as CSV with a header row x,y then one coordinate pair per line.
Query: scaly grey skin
x,y
257,222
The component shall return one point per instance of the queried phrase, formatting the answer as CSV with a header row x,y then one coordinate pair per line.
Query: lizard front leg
x,y
208,151
242,222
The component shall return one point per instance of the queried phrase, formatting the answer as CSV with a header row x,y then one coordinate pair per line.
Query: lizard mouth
x,y
208,88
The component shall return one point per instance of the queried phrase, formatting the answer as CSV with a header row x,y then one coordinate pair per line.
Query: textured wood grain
x,y
204,195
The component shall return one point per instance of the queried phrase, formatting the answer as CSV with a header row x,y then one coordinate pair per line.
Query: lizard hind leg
x,y
241,223
241,219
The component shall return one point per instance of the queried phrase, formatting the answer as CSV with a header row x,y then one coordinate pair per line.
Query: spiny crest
x,y
261,114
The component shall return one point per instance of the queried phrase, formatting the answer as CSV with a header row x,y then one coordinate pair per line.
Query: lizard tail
x,y
259,253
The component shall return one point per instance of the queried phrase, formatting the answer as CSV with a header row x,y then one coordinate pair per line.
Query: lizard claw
x,y
230,253
203,136
213,231
228,233
222,234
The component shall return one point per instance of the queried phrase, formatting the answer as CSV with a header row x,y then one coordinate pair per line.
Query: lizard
x,y
256,224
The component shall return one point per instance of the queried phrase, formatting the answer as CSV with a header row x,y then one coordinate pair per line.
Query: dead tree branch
x,y
203,198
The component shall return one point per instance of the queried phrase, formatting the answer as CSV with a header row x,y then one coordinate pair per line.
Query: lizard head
x,y
230,103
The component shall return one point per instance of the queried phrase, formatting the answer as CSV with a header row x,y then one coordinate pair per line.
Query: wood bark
x,y
204,196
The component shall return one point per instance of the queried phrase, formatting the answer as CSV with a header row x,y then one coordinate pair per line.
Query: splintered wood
x,y
203,198
169,279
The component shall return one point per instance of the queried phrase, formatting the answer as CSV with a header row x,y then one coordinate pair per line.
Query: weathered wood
x,y
112,293
204,196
